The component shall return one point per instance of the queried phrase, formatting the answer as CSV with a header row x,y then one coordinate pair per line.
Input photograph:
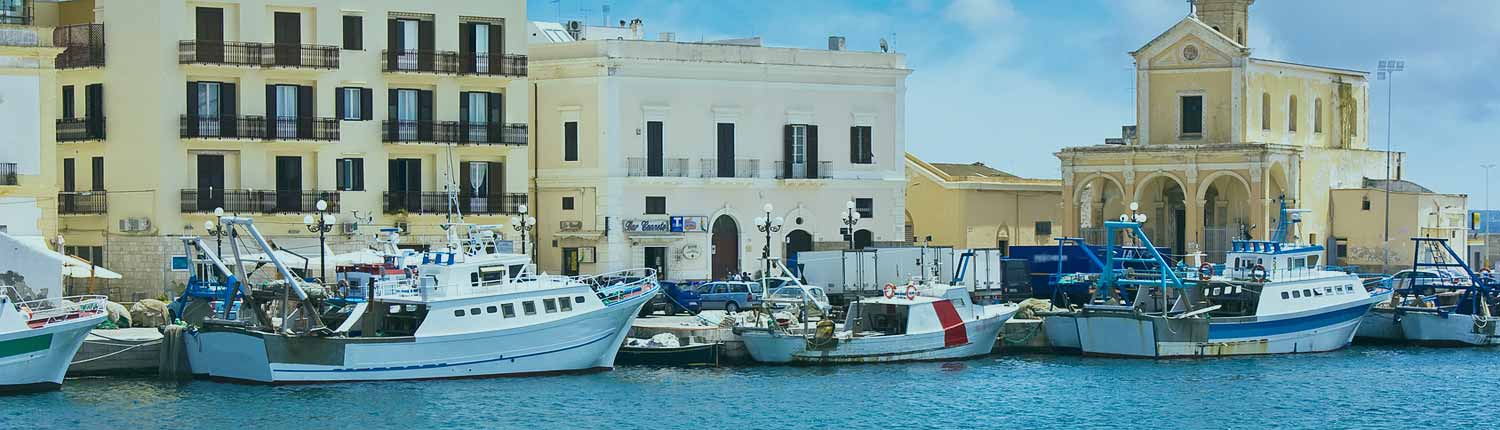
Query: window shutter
x,y
867,140
496,115
570,141
392,118
270,110
359,174
786,151
341,170
465,180
427,43
94,105
463,107
812,152
229,110
366,104
424,115
192,109
497,48
854,154
354,33
339,106
67,99
392,43
305,112
495,180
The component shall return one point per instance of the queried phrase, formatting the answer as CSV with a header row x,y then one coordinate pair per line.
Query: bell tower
x,y
1230,17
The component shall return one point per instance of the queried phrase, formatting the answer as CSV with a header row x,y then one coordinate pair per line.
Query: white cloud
x,y
981,16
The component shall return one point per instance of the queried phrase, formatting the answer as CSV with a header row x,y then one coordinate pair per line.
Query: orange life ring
x,y
890,291
911,292
1205,271
1258,273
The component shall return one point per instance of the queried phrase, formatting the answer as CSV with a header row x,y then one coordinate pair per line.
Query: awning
x,y
72,267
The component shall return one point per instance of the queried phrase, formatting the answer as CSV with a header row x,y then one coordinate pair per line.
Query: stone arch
x,y
1099,197
725,233
1162,197
1140,185
1226,204
1203,188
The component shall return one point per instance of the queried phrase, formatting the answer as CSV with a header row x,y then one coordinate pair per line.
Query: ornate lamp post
x,y
324,224
1135,216
216,229
523,225
850,218
767,224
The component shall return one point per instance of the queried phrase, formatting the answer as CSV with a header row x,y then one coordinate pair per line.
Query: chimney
x,y
835,43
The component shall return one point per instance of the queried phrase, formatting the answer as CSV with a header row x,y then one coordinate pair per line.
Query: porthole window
x,y
508,310
458,312
550,305
578,299
491,309
474,311
529,307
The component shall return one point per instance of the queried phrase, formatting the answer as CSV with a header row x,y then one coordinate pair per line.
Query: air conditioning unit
x,y
135,225
349,228
404,228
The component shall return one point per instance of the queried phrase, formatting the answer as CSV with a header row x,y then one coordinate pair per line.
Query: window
x,y
1265,111
550,305
67,102
354,104
1307,293
491,309
351,174
567,203
656,205
799,151
354,33
860,148
1318,115
1291,114
529,307
1044,228
458,312
1296,294
1192,115
490,275
1285,296
473,311
578,299
1365,204
565,304
1341,247
508,310
570,141
865,207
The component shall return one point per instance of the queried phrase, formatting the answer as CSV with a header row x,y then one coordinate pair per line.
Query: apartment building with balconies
x,y
263,108
28,148
663,154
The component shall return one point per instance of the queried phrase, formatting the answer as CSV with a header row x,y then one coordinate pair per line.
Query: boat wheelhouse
x,y
1442,302
464,312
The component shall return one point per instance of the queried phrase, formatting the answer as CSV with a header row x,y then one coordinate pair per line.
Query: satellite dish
x,y
884,46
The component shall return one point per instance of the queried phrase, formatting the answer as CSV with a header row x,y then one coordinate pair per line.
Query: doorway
x,y
288,184
656,258
570,260
796,241
726,247
210,182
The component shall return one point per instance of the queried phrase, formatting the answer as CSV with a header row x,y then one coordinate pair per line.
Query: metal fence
x,y
257,201
454,132
449,62
82,203
431,202
83,45
742,168
80,129
257,54
258,127
8,174
802,171
668,167
18,13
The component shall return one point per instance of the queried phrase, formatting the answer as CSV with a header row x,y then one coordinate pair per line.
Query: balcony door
x,y
411,114
726,151
210,34
288,39
405,184
289,184
410,45
653,148
481,45
70,185
289,111
482,185
210,182
211,109
480,116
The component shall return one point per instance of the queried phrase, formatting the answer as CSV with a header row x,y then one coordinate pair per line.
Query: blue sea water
x,y
1361,387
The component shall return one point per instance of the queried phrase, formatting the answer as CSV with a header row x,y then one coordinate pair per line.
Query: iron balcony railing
x,y
454,132
82,203
449,62
80,129
15,13
257,201
741,168
801,172
83,45
8,174
432,202
257,54
258,127
666,167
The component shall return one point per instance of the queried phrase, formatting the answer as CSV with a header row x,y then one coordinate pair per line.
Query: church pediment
x,y
1209,48
1190,52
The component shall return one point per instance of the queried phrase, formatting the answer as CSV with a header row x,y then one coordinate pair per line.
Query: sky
x,y
1010,82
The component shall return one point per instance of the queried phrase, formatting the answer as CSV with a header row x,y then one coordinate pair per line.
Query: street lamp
x,y
1135,215
1386,71
324,224
850,218
523,225
767,224
216,229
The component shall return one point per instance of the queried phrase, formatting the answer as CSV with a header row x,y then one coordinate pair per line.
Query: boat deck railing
x,y
620,285
41,312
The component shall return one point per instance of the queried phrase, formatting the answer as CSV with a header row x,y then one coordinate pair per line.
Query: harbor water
x,y
1360,387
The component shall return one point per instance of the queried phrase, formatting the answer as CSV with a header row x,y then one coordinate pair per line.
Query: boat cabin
x,y
1262,261
929,311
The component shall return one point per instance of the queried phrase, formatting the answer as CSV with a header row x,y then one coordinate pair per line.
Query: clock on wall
x,y
1190,52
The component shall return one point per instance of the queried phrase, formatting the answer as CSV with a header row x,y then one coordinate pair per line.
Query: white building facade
x,y
663,154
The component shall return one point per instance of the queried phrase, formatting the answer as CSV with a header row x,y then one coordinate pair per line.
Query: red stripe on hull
x,y
954,331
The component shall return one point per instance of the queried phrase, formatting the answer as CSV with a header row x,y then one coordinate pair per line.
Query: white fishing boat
x,y
1440,302
1273,297
911,323
38,338
464,313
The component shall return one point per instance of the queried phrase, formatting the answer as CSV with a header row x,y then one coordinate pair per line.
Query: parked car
x,y
732,296
673,298
794,292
